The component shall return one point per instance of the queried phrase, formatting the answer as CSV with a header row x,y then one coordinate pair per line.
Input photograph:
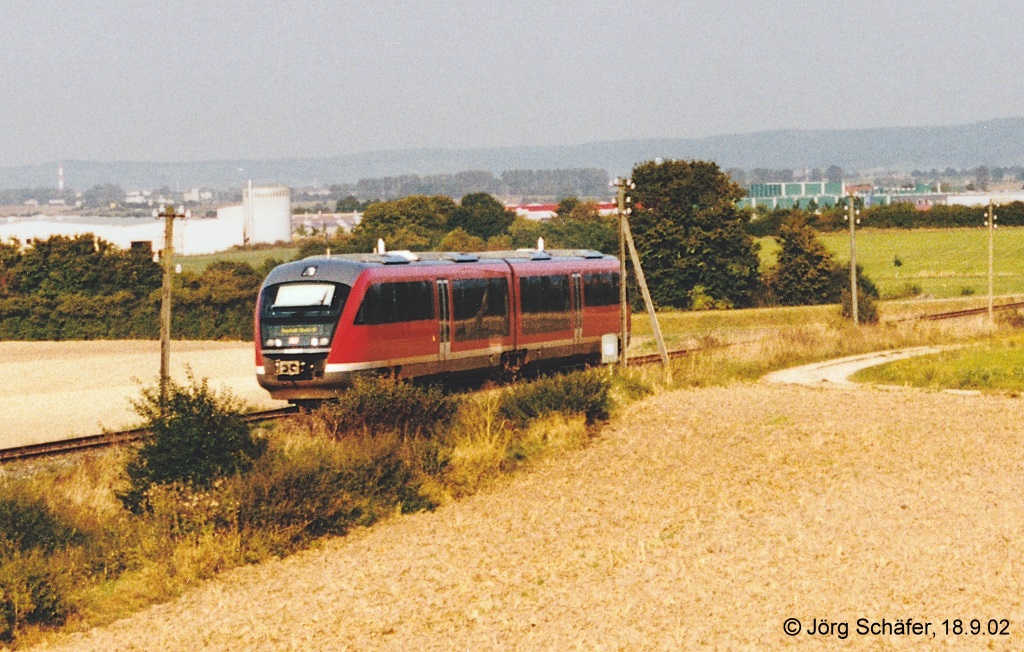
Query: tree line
x,y
698,250
892,216
581,182
478,222
72,288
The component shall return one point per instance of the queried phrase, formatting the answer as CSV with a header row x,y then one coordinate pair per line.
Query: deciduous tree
x,y
481,215
689,234
422,220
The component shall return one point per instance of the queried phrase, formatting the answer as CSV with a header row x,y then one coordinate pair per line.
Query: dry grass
x,y
753,357
481,440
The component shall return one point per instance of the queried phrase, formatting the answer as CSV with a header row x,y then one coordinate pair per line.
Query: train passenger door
x,y
577,309
444,319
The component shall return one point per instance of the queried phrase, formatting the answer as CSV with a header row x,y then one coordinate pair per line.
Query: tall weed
x,y
479,437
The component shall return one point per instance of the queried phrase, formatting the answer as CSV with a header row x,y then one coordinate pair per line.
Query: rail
x,y
969,312
89,442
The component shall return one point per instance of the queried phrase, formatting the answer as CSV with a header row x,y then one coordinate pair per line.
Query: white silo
x,y
268,214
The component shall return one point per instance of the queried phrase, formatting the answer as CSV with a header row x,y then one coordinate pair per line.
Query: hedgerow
x,y
86,288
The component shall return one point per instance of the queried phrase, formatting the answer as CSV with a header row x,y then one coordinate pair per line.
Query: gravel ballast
x,y
703,519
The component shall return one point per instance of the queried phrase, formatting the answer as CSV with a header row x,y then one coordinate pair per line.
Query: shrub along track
x,y
701,518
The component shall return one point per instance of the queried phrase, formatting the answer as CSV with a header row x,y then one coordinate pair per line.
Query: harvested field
x,y
57,390
704,520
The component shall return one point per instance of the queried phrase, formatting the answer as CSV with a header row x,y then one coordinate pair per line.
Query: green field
x,y
941,262
254,257
989,366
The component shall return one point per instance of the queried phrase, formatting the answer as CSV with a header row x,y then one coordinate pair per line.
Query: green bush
x,y
583,392
29,524
199,437
33,591
375,405
806,274
867,308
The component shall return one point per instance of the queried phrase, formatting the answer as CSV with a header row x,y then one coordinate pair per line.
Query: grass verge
x,y
990,366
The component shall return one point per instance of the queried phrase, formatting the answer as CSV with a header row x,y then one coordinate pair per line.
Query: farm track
x,y
114,438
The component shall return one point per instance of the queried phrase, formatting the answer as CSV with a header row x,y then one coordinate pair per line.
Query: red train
x,y
321,320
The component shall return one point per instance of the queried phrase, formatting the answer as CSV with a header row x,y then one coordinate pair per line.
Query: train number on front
x,y
289,367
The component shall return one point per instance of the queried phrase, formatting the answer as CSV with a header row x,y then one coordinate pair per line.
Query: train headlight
x,y
314,342
277,342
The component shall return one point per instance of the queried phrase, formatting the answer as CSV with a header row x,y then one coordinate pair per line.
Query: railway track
x,y
970,312
91,442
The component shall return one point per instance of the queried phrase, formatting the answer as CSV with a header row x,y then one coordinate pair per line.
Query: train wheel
x,y
511,365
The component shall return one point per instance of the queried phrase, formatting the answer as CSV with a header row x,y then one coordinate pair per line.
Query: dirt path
x,y
703,521
836,373
57,390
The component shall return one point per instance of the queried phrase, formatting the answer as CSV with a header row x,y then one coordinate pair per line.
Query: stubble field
x,y
702,519
57,390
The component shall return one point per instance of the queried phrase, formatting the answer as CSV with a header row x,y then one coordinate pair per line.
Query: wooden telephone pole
x,y
626,241
991,223
167,262
851,217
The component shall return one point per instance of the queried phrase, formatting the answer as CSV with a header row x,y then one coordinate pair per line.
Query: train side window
x,y
545,303
480,308
601,289
389,303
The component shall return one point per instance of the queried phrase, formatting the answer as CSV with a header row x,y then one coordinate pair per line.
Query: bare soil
x,y
701,520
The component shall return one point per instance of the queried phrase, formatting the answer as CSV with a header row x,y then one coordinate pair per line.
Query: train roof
x,y
345,268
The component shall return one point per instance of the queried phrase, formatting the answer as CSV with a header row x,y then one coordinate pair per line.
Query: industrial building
x,y
809,195
263,217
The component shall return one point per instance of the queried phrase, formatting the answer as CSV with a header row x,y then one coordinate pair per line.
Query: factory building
x,y
263,217
809,195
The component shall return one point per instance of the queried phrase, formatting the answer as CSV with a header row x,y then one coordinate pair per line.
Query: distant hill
x,y
994,143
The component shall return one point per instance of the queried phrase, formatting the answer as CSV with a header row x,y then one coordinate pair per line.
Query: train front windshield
x,y
301,315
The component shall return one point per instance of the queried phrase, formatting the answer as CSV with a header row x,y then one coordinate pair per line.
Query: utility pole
x,y
991,223
626,240
167,262
623,312
851,217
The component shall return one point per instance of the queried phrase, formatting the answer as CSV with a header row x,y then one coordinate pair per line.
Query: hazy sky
x,y
180,81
